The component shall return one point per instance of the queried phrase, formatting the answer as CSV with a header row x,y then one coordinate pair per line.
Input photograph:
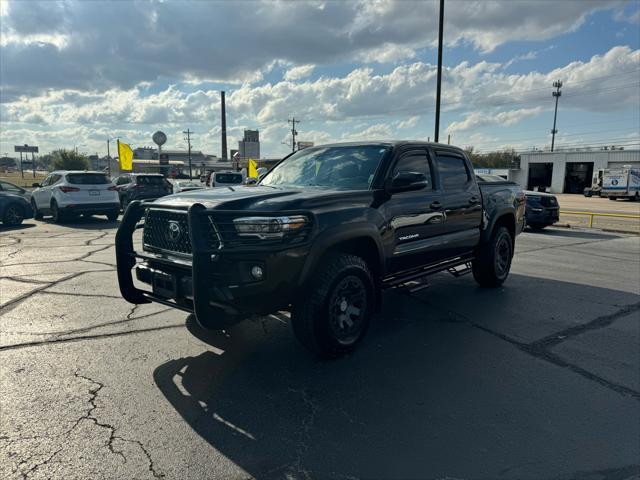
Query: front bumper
x,y
213,283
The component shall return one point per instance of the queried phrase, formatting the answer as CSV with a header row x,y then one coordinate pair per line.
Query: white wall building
x,y
568,171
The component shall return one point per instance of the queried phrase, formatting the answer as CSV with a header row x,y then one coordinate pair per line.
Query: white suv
x,y
65,193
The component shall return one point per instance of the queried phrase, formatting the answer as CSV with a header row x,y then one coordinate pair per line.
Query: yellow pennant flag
x,y
125,154
253,168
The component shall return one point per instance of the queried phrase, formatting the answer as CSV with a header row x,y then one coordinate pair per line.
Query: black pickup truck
x,y
324,232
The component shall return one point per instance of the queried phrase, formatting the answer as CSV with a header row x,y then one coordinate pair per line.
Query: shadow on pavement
x,y
427,395
573,233
23,226
94,222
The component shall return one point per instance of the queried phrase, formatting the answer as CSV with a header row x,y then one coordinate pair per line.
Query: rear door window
x,y
88,179
453,172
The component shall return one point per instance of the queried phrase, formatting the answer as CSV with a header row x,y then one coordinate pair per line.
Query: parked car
x,y
9,187
323,233
542,210
186,186
14,208
63,194
141,186
225,179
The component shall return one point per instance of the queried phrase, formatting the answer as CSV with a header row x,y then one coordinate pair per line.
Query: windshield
x,y
342,168
88,179
233,178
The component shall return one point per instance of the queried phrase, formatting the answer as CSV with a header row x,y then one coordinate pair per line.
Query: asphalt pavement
x,y
539,379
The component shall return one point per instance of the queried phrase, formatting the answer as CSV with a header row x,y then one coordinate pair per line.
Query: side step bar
x,y
416,279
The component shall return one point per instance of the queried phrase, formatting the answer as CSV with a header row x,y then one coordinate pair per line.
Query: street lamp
x,y
109,154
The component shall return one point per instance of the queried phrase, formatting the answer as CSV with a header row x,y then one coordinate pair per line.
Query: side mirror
x,y
36,185
404,181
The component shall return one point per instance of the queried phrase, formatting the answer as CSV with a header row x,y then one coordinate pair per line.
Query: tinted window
x,y
414,162
150,180
54,179
88,179
228,178
343,168
453,172
9,187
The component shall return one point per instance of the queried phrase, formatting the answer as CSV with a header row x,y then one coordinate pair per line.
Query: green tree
x,y
503,159
69,160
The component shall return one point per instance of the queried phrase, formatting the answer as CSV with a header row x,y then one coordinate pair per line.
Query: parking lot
x,y
538,379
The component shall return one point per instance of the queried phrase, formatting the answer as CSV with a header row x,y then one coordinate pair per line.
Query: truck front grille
x,y
166,230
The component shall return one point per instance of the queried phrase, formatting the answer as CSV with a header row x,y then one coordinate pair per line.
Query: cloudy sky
x,y
78,72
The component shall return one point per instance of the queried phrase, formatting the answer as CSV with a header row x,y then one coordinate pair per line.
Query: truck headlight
x,y
269,227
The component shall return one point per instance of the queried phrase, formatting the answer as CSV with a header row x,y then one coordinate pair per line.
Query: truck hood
x,y
265,198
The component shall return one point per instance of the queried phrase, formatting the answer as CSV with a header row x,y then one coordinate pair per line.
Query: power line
x,y
188,139
294,132
557,93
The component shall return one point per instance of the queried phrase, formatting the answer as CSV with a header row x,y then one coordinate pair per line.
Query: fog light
x,y
256,272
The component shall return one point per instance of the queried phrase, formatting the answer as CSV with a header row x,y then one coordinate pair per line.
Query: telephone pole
x,y
294,132
557,93
188,139
439,81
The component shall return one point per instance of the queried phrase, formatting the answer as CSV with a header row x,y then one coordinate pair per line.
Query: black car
x,y
322,234
542,210
141,186
13,209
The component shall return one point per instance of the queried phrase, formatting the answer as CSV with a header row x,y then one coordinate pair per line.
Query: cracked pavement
x,y
538,379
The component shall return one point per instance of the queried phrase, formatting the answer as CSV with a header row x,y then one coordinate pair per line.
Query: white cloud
x,y
505,118
98,45
299,72
409,122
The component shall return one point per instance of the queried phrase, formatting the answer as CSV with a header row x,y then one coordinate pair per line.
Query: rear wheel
x,y
56,215
336,316
37,214
493,260
112,216
13,215
613,198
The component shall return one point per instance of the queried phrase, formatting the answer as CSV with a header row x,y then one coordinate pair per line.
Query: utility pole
x,y
294,132
188,139
557,93
108,158
439,81
223,116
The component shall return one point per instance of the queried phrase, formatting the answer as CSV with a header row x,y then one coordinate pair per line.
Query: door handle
x,y
435,205
473,199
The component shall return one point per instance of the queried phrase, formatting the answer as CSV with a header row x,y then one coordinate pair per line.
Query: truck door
x,y
414,219
462,203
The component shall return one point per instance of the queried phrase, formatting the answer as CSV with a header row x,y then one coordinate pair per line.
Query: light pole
x,y
109,155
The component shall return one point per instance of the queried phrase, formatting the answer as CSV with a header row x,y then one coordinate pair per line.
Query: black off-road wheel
x,y
333,318
493,259
13,215
37,214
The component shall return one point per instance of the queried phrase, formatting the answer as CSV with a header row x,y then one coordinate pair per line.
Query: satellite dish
x,y
159,138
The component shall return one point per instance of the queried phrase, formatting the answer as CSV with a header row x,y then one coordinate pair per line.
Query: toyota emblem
x,y
175,231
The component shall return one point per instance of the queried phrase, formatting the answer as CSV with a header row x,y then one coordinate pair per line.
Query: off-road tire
x,y
314,319
37,214
13,215
491,266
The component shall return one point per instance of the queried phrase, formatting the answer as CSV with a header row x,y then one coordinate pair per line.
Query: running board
x,y
419,275
458,272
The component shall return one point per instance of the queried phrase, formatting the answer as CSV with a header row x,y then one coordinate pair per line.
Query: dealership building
x,y
568,171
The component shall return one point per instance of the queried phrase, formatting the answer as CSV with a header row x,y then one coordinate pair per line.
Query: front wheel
x,y
493,259
334,317
37,214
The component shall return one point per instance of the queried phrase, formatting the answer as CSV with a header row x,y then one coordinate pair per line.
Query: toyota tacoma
x,y
322,235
